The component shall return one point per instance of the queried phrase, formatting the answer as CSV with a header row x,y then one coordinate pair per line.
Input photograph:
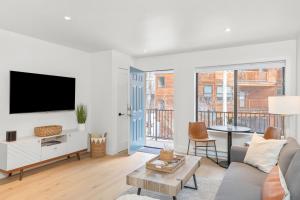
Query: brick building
x,y
254,87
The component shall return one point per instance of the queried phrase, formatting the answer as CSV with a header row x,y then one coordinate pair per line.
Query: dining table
x,y
229,130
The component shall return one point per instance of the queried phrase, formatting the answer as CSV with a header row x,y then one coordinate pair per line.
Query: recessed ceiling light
x,y
227,30
67,18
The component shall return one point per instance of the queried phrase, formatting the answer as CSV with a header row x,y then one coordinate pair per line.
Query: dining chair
x,y
198,134
272,133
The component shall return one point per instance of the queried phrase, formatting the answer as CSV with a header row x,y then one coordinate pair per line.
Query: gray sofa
x,y
244,182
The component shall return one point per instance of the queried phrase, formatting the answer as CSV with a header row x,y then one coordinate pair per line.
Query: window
x,y
256,85
161,104
251,83
207,92
161,82
220,93
242,99
210,91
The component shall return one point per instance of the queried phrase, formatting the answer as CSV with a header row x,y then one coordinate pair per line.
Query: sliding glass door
x,y
239,96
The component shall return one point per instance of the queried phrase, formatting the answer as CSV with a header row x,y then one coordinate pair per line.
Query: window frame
x,y
235,93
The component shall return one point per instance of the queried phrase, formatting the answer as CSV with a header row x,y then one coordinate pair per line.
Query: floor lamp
x,y
285,106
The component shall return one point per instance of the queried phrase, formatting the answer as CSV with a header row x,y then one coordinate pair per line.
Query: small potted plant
x,y
81,113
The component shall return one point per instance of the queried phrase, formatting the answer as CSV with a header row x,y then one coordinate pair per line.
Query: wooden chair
x,y
272,133
198,134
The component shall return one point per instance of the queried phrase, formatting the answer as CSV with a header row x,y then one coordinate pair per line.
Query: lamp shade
x,y
284,105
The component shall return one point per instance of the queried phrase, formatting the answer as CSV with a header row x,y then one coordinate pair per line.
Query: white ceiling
x,y
152,27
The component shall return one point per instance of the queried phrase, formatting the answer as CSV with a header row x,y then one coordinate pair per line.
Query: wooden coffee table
x,y
169,184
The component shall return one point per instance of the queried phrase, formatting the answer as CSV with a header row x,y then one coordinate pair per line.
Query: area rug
x,y
151,150
207,189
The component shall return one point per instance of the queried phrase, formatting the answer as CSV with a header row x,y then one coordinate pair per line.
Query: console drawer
x,y
53,151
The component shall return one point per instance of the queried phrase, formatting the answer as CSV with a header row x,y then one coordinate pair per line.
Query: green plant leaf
x,y
81,113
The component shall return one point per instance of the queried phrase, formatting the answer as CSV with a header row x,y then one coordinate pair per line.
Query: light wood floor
x,y
101,179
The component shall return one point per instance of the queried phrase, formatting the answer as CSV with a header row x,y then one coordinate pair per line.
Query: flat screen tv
x,y
40,93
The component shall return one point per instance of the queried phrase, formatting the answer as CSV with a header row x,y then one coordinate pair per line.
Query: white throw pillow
x,y
263,153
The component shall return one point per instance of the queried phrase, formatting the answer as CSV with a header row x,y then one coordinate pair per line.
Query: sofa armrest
x,y
238,153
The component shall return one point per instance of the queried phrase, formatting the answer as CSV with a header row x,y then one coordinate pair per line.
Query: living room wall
x,y
298,81
105,65
185,65
22,53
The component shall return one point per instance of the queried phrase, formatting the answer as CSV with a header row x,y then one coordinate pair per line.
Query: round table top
x,y
232,129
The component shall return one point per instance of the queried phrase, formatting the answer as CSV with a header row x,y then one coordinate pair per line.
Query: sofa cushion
x,y
287,153
292,177
241,181
238,153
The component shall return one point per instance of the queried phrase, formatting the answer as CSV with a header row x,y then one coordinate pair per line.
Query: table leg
x,y
229,144
174,197
78,155
195,184
225,164
21,175
139,191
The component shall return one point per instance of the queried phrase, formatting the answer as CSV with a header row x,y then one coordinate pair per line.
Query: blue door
x,y
136,89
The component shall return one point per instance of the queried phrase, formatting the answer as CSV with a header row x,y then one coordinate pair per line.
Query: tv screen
x,y
40,93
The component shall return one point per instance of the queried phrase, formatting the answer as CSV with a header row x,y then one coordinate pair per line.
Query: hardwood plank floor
x,y
99,179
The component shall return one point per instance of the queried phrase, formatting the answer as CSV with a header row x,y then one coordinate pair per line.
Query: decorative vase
x,y
229,126
81,127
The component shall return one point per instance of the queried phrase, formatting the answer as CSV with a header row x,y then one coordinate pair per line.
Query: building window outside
x,y
161,82
220,93
207,91
161,104
242,97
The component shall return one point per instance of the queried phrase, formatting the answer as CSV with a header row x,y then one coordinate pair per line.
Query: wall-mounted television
x,y
31,92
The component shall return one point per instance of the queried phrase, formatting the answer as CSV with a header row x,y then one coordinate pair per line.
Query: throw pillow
x,y
274,187
263,153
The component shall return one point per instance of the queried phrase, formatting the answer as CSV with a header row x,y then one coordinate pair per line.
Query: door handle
x,y
129,110
120,114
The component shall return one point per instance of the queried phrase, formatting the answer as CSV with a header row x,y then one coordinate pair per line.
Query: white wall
x,y
22,53
101,113
104,94
298,81
184,65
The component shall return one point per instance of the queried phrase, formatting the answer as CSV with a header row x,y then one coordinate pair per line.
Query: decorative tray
x,y
165,166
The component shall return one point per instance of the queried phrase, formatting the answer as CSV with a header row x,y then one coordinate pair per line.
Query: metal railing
x,y
159,123
258,122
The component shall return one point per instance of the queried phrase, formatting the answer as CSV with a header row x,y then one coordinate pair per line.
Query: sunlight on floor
x,y
159,143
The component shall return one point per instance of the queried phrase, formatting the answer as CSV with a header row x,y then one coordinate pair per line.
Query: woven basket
x,y
98,149
44,131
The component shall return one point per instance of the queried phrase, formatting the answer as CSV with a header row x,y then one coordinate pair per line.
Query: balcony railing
x,y
258,122
159,123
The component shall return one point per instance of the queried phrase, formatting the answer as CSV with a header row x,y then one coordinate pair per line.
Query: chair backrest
x,y
272,133
197,130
